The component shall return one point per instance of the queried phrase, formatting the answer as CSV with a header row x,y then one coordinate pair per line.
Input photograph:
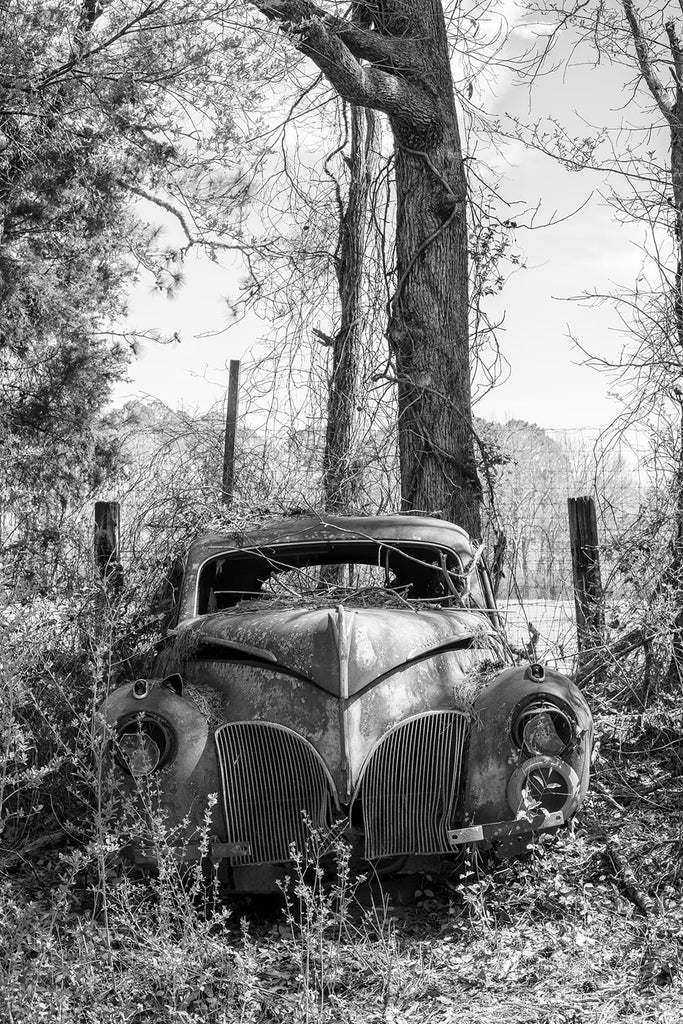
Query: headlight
x,y
139,752
544,784
543,727
144,743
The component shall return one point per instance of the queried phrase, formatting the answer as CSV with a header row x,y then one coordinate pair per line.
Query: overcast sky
x,y
586,252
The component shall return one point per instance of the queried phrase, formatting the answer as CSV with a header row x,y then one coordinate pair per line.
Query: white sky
x,y
589,251
192,373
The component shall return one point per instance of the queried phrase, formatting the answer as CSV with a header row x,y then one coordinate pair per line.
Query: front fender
x,y
192,773
493,754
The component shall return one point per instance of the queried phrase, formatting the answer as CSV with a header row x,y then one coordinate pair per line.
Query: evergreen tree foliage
x,y
104,108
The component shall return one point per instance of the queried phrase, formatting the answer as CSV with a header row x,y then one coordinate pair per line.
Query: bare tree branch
x,y
164,205
392,53
83,55
652,79
337,46
677,55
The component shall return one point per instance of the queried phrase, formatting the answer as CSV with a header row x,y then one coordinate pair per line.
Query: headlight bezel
x,y
518,785
564,721
150,724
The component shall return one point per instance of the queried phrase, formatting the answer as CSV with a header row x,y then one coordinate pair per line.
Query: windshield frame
x,y
400,547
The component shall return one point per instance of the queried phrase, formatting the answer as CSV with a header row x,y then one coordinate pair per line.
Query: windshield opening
x,y
338,572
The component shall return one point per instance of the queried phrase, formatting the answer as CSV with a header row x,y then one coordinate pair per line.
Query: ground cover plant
x,y
587,927
561,936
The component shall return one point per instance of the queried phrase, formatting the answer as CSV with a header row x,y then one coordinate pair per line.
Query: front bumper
x,y
218,851
505,829
188,853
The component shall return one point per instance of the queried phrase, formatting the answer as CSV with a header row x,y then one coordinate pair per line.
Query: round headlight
x,y
546,784
139,752
144,743
542,727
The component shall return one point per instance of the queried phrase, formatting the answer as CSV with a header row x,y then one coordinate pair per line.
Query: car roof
x,y
303,529
386,529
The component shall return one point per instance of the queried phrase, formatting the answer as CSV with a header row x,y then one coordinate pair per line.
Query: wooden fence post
x,y
583,536
107,538
228,481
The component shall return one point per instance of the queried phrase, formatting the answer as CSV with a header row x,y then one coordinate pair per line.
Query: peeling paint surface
x,y
379,639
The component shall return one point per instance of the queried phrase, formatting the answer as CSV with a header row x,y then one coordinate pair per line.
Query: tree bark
x,y
675,671
230,436
428,332
671,106
394,58
341,471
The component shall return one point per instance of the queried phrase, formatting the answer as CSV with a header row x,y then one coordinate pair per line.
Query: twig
x,y
20,855
628,879
611,652
606,795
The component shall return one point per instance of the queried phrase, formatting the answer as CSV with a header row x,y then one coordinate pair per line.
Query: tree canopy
x,y
102,107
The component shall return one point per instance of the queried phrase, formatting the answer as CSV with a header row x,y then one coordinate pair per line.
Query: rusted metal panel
x,y
233,691
383,529
192,773
494,755
369,643
236,692
445,681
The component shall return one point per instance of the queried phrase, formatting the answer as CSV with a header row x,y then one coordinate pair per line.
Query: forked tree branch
x,y
337,46
397,53
179,216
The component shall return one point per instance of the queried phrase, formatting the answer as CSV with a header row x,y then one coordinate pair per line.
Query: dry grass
x,y
551,939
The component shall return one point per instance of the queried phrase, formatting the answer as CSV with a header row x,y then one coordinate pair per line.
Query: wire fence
x,y
170,488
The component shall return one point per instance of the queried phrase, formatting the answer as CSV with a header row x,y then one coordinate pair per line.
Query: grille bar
x,y
410,785
271,778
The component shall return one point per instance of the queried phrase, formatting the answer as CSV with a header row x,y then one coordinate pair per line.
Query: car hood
x,y
339,649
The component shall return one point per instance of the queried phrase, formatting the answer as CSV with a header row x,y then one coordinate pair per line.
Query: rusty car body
x,y
347,673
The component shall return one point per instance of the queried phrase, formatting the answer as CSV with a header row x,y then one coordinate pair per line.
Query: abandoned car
x,y
349,674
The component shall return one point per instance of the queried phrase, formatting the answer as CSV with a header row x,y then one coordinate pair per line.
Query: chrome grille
x,y
410,785
272,777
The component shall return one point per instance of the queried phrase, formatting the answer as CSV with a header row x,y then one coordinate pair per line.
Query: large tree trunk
x,y
428,332
393,57
671,106
341,470
675,673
